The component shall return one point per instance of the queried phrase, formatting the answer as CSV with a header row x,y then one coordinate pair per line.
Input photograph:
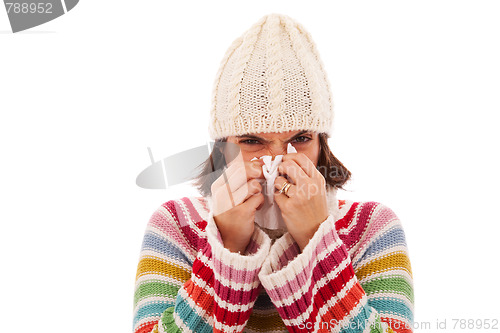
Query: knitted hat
x,y
271,80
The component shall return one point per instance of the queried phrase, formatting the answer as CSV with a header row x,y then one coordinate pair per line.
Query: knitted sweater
x,y
354,275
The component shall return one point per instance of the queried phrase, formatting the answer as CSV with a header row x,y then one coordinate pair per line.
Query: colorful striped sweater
x,y
354,275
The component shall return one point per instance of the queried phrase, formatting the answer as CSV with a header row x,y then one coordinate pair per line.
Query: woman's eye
x,y
250,142
301,139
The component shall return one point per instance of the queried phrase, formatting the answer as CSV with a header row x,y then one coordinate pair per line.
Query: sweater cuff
x,y
285,256
254,255
236,282
300,284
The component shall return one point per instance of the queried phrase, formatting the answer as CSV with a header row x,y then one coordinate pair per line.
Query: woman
x,y
207,265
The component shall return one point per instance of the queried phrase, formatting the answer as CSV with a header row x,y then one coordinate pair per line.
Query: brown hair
x,y
335,173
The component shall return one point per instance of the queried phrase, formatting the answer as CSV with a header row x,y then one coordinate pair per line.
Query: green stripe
x,y
397,285
155,289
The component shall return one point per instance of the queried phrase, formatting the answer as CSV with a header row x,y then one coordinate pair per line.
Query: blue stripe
x,y
151,310
390,239
358,323
392,306
190,318
159,244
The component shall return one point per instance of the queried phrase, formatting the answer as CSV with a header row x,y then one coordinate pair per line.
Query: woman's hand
x,y
304,207
237,194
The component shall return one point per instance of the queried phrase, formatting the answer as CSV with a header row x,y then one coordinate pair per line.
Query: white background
x,y
416,97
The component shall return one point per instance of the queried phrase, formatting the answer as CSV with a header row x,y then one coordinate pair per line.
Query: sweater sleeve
x,y
323,290
201,288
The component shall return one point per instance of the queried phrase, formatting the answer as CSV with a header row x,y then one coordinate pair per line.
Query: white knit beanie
x,y
271,80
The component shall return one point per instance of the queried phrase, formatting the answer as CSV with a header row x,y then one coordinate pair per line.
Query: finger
x,y
227,199
250,188
239,173
280,199
254,201
250,170
280,182
303,161
294,171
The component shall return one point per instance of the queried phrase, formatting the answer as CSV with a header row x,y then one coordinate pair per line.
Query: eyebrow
x,y
250,136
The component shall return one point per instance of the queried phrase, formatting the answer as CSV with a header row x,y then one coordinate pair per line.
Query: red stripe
x,y
332,287
231,318
206,274
347,219
146,328
334,314
233,296
346,304
196,218
200,296
329,263
203,272
184,224
362,219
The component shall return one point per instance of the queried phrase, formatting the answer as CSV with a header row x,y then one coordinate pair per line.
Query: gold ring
x,y
285,191
283,187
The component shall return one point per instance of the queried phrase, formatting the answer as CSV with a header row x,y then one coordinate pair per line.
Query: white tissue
x,y
269,215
